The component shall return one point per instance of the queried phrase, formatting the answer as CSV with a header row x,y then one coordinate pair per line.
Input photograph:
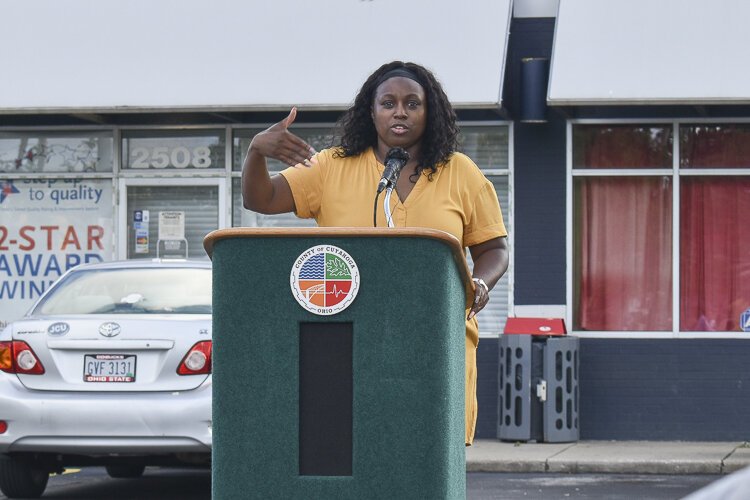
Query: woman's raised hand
x,y
278,143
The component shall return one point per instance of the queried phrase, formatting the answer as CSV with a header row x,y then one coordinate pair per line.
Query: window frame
x,y
223,177
675,175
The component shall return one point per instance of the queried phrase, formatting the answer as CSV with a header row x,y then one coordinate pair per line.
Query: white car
x,y
111,366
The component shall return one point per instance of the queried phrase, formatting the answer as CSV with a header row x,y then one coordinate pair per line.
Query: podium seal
x,y
324,280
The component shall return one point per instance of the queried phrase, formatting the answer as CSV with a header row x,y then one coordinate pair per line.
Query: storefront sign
x,y
173,149
175,157
745,320
48,226
140,225
171,225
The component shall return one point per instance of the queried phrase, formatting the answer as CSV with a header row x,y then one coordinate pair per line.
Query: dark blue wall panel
x,y
647,389
665,389
539,223
487,363
539,178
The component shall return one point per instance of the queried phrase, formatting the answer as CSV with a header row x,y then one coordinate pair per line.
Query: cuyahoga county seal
x,y
325,280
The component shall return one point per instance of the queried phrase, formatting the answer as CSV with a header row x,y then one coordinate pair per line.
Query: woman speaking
x,y
401,105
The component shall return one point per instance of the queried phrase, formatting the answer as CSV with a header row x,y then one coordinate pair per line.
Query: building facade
x,y
625,183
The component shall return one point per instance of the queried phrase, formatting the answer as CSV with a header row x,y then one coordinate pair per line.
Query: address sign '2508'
x,y
176,157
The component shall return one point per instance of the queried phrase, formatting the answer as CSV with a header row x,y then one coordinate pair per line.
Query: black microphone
x,y
394,162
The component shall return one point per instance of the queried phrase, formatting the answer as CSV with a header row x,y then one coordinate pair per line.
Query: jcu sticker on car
x,y
325,280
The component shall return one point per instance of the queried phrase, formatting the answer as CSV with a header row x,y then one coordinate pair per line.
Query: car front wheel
x,y
20,479
125,471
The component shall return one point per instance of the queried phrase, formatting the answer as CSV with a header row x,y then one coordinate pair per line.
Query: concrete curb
x,y
611,457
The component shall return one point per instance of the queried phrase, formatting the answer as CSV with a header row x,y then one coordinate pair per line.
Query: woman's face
x,y
399,111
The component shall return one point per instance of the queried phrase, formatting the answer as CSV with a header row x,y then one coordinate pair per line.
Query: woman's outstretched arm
x,y
261,192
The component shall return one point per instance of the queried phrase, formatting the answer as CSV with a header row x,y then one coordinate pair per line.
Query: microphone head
x,y
397,154
394,162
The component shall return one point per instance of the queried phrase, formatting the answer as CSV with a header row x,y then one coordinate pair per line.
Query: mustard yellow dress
x,y
459,200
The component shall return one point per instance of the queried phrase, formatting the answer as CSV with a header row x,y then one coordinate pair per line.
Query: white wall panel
x,y
651,52
190,54
535,8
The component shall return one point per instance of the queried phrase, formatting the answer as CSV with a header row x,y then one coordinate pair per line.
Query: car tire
x,y
125,471
20,479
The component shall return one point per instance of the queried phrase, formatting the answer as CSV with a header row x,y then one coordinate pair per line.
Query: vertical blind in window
x,y
488,147
201,207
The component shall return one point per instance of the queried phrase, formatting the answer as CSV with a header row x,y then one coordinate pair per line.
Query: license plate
x,y
109,368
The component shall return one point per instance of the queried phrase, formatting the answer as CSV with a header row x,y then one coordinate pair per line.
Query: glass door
x,y
168,218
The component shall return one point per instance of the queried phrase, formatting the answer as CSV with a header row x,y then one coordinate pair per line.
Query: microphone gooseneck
x,y
394,162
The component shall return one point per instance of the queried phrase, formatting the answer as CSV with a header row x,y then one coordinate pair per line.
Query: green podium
x,y
338,363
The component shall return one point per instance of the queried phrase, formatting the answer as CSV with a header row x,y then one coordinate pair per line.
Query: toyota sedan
x,y
111,366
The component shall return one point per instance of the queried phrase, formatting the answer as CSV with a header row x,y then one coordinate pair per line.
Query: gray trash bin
x,y
538,382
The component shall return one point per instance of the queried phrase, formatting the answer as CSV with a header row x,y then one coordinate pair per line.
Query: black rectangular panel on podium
x,y
338,363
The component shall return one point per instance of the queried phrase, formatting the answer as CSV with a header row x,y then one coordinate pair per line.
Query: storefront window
x,y
55,152
318,137
623,230
145,150
714,241
623,262
247,218
488,147
715,146
622,146
714,252
198,210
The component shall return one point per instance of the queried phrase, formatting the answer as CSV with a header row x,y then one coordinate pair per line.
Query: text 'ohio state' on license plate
x,y
109,368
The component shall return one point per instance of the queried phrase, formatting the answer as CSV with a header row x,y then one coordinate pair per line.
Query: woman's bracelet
x,y
480,282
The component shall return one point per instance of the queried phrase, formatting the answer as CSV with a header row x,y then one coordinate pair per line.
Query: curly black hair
x,y
440,140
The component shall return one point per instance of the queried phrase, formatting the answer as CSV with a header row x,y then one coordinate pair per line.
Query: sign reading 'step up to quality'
x,y
48,226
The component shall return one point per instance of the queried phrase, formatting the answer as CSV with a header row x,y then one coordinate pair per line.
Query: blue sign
x,y
745,320
137,216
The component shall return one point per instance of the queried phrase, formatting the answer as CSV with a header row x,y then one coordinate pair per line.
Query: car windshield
x,y
131,291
